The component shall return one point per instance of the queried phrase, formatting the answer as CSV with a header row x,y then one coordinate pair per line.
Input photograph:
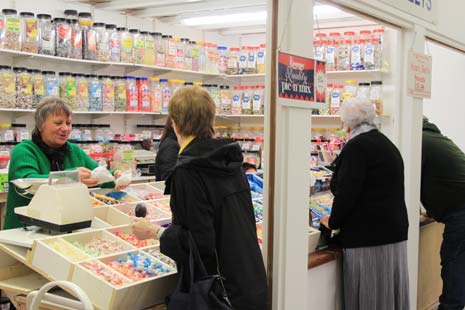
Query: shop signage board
x,y
423,9
419,75
301,81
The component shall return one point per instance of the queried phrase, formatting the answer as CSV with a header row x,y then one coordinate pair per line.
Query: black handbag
x,y
197,290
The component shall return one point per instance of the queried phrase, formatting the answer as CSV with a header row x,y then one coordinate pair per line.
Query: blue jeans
x,y
453,262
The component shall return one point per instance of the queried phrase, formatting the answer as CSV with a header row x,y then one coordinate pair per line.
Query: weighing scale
x,y
60,203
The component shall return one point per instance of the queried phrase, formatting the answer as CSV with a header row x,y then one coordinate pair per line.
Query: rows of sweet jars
x,y
77,36
24,88
337,93
351,50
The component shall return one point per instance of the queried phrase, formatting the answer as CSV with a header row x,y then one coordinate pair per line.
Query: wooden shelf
x,y
13,110
240,115
240,76
156,70
358,74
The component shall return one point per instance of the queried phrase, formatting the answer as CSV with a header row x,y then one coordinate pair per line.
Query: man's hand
x,y
325,221
143,229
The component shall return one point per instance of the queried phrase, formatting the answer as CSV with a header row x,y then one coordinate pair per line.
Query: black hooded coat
x,y
210,197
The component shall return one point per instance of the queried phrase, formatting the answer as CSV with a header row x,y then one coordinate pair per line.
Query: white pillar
x,y
291,184
411,111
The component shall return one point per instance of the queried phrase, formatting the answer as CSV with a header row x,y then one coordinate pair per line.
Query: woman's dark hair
x,y
168,129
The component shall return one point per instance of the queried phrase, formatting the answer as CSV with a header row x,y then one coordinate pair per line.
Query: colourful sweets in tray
x,y
259,234
325,199
99,247
164,205
138,266
105,273
144,194
134,241
97,203
256,195
258,210
104,199
67,249
154,195
163,258
152,213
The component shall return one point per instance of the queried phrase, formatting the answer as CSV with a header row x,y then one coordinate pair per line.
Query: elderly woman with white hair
x,y
369,210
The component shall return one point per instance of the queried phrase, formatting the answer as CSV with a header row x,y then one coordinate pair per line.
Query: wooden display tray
x,y
154,214
147,188
23,270
105,295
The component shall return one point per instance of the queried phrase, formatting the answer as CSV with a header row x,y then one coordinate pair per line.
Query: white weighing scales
x,y
60,203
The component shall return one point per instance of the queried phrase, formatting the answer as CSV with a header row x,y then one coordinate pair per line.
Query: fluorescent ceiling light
x,y
259,16
323,11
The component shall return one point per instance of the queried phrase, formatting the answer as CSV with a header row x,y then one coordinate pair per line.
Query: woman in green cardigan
x,y
48,150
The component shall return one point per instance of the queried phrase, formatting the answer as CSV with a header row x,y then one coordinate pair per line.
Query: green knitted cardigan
x,y
28,161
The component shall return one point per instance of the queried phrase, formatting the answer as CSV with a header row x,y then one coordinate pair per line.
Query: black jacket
x,y
442,173
167,156
210,196
368,187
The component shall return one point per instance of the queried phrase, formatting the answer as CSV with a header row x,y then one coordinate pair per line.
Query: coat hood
x,y
427,126
212,155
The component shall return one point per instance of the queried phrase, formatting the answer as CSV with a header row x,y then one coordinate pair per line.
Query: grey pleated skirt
x,y
376,278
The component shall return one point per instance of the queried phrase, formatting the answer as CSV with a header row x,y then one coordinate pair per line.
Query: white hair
x,y
356,111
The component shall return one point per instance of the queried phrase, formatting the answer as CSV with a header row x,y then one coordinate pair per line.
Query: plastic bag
x,y
101,173
124,180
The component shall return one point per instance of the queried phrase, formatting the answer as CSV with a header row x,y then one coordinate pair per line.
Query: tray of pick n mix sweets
x,y
113,267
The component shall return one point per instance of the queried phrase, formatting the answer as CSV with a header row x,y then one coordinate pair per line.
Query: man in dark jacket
x,y
210,198
443,196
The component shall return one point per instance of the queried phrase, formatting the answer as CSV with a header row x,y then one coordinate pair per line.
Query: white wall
x,y
325,286
448,28
56,9
446,108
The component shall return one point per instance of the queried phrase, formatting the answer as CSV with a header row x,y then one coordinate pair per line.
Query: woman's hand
x,y
143,229
84,177
117,174
325,221
122,180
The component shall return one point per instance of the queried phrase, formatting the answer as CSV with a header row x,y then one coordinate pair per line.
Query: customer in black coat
x,y
210,197
167,153
369,210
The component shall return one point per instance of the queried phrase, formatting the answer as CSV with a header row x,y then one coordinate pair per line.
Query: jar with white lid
x,y
11,36
23,88
46,34
127,53
115,43
63,37
7,87
29,33
76,39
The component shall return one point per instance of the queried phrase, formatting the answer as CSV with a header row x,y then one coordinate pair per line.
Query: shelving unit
x,y
355,73
128,67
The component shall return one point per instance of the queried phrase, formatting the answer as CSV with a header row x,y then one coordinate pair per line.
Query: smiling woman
x,y
49,150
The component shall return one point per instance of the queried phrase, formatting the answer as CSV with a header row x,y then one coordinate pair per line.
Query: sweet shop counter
x,y
113,267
